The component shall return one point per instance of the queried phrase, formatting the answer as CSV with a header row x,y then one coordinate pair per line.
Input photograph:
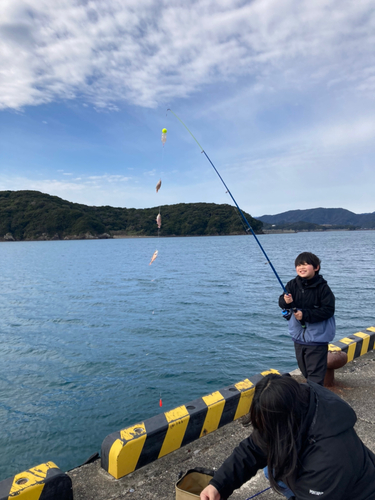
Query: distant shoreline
x,y
124,237
291,231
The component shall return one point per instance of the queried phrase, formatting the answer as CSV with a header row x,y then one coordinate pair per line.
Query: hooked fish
x,y
158,185
154,257
158,220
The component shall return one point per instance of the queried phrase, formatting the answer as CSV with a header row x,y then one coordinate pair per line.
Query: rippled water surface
x,y
92,335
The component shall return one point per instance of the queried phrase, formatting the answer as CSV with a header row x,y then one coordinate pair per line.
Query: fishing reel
x,y
287,313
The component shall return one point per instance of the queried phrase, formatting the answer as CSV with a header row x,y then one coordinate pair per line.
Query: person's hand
x,y
298,315
288,298
210,493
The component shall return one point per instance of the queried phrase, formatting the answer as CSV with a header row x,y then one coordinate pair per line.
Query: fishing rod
x,y
238,208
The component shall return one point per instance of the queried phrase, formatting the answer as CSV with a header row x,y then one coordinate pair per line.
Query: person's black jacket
x,y
334,464
313,297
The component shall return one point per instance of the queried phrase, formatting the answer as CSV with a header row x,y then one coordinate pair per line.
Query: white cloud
x,y
349,134
146,52
18,183
109,178
116,190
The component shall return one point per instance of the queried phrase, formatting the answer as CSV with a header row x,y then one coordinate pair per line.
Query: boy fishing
x,y
311,322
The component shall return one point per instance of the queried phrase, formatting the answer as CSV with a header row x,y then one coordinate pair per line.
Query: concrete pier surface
x,y
355,383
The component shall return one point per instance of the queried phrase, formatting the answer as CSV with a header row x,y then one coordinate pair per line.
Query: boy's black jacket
x,y
334,464
313,297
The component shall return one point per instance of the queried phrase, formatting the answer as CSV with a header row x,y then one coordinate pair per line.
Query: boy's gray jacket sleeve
x,y
241,466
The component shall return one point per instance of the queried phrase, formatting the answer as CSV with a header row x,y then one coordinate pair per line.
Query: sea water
x,y
92,336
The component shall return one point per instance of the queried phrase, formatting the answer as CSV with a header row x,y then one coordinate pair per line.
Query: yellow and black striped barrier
x,y
355,345
43,482
129,449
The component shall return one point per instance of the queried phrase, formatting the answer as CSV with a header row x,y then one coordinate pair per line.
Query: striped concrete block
x,y
129,449
44,482
357,344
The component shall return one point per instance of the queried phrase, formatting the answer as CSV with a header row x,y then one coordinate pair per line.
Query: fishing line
x,y
238,208
256,494
158,226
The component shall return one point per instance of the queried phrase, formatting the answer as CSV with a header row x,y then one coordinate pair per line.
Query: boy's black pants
x,y
312,361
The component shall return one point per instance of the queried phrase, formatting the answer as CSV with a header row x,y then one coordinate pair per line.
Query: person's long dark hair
x,y
277,412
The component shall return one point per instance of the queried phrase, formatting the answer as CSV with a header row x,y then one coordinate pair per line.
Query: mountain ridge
x,y
322,216
32,215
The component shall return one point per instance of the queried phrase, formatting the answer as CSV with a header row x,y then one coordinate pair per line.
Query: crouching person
x,y
304,434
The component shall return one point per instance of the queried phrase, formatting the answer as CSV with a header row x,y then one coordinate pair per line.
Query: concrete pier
x,y
355,383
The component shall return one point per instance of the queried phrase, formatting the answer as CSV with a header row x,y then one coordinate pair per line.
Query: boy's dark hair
x,y
308,258
278,409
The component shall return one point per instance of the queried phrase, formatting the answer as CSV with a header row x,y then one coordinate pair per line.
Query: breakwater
x,y
128,443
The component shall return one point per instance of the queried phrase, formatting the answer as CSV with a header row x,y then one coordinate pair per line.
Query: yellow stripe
x,y
133,432
123,458
114,464
31,482
333,347
247,392
365,343
178,420
244,385
267,372
247,389
347,341
215,403
351,351
176,414
213,398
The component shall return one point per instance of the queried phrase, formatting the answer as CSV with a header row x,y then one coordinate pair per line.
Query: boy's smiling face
x,y
306,271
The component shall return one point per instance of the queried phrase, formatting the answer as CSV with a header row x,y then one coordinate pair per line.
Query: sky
x,y
279,93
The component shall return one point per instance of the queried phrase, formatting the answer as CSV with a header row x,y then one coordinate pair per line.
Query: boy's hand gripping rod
x,y
238,208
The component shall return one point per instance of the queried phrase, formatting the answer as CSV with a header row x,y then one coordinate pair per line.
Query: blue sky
x,y
279,93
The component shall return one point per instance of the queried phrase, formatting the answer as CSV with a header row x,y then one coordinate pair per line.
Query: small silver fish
x,y
158,220
158,185
154,257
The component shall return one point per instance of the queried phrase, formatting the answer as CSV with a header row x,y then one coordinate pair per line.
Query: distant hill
x,y
322,216
31,215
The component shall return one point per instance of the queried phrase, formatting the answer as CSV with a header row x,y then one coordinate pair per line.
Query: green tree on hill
x,y
31,215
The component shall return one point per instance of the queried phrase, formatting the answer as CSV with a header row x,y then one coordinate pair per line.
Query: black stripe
x,y
372,340
197,410
156,429
358,345
342,345
232,397
5,487
106,447
358,348
256,378
58,486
